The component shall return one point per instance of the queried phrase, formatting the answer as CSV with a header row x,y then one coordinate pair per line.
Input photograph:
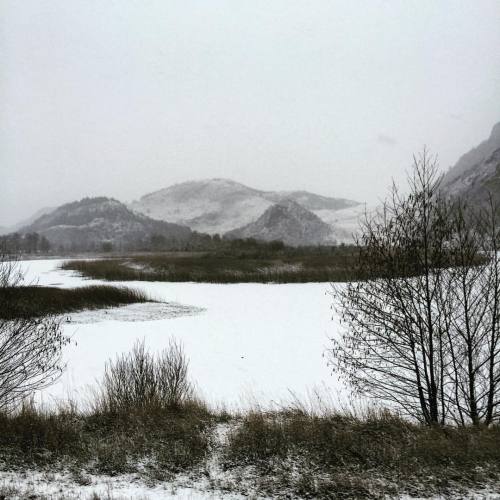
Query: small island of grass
x,y
35,301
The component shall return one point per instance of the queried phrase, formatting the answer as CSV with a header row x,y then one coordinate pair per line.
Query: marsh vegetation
x,y
259,265
39,301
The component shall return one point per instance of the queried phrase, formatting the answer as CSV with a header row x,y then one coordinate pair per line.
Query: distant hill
x,y
477,173
184,214
25,222
33,218
87,223
221,205
289,222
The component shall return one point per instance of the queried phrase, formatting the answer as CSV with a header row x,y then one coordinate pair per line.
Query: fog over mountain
x,y
476,175
19,225
119,99
234,210
213,206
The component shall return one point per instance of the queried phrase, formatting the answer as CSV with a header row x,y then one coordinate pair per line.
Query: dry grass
x,y
286,454
283,266
341,456
136,425
35,301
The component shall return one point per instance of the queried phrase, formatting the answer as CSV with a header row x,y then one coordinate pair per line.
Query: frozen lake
x,y
247,344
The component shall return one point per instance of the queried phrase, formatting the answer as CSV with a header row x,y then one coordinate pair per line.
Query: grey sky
x,y
121,98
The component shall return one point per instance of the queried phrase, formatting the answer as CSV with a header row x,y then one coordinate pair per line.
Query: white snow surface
x,y
148,311
57,486
247,344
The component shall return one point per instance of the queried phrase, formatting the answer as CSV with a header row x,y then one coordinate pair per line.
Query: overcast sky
x,y
121,98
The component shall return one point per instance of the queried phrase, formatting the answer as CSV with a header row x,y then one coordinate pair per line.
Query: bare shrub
x,y
10,274
30,348
140,380
171,372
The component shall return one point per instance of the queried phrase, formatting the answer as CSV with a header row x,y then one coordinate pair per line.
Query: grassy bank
x,y
287,454
287,266
341,456
110,443
34,301
145,423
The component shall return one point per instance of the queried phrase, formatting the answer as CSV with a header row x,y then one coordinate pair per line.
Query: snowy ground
x,y
148,311
38,485
248,344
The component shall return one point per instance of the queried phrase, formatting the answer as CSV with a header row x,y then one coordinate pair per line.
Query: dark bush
x,y
139,380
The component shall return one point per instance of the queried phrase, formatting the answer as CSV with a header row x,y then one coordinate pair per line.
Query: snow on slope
x,y
289,222
476,175
221,205
214,206
345,222
474,156
93,220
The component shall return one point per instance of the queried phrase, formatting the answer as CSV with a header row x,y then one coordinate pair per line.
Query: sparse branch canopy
x,y
30,348
420,327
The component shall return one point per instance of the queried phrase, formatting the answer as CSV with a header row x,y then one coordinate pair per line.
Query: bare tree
x,y
30,348
422,323
393,347
491,249
473,327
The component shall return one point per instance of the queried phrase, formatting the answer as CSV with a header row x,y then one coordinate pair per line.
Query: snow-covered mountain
x,y
91,221
221,205
289,222
477,173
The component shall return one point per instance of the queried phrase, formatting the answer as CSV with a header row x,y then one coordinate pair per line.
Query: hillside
x,y
477,173
221,205
88,223
289,222
25,222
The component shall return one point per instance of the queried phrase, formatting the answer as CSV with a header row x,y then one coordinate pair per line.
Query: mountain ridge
x,y
89,222
476,175
194,209
289,222
220,205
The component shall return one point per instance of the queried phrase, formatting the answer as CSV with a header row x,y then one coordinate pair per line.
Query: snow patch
x,y
148,311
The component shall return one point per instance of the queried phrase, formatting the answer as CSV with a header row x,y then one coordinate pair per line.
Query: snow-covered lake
x,y
247,343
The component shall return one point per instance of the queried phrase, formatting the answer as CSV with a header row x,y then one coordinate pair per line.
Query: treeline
x,y
25,243
35,243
